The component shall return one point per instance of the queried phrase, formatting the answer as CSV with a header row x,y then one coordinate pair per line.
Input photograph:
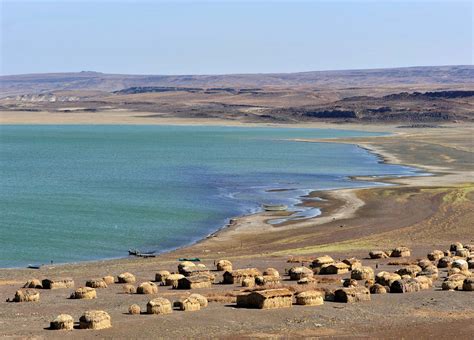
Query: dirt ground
x,y
422,213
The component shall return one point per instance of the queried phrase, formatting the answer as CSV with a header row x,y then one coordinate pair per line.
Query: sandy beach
x,y
422,213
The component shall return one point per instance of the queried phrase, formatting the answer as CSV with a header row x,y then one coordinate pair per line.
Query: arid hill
x,y
415,94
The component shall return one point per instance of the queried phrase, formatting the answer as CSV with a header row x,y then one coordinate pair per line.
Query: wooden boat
x,y
136,252
34,266
274,207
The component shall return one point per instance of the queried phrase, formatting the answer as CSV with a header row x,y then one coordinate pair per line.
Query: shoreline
x,y
345,194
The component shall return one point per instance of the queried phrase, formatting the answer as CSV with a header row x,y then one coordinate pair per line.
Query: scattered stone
x,y
62,322
126,278
95,319
266,299
86,293
378,254
96,283
362,273
33,283
134,309
58,283
161,276
400,252
310,298
224,266
159,306
351,295
378,289
147,288
297,273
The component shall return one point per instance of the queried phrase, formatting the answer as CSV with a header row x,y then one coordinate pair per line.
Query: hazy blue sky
x,y
208,37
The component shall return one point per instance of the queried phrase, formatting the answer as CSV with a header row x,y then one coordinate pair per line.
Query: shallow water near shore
x,y
77,193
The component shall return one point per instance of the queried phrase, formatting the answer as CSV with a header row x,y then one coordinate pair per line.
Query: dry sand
x,y
423,213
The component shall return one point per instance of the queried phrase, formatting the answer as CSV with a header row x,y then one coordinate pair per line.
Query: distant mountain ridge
x,y
96,81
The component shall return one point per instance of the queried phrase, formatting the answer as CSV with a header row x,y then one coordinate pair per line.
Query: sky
x,y
222,37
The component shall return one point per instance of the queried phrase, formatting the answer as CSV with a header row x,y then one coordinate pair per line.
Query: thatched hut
x,y
33,283
161,276
377,289
362,273
194,270
378,254
58,283
236,276
129,289
435,255
189,304
26,295
463,253
172,279
86,293
159,306
405,286
224,266
126,278
353,263
456,246
271,272
147,288
424,281
351,295
62,322
386,278
249,282
96,283
310,298
297,273
334,268
461,264
349,282
202,299
453,282
95,319
109,279
194,282
134,309
445,262
320,262
468,284
431,272
184,264
266,299
410,270
262,280
401,252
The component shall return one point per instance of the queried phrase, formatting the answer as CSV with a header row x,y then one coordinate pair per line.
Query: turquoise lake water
x,y
76,193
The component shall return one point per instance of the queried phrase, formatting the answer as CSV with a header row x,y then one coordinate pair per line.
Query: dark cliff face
x,y
429,95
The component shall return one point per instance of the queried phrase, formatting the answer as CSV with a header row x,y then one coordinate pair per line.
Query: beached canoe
x,y
274,207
